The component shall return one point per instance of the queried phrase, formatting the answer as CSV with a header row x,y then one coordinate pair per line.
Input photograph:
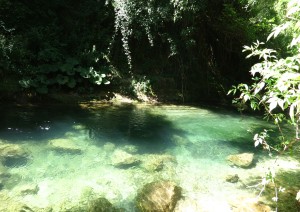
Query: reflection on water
x,y
58,156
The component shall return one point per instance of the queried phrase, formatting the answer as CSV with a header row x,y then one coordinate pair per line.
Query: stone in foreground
x,y
243,160
158,196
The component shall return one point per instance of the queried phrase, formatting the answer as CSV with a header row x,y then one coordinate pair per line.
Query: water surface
x,y
195,140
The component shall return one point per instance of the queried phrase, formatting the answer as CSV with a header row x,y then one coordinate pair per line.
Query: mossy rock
x,y
158,196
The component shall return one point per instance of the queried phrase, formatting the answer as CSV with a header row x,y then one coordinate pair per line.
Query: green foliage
x,y
197,43
276,84
277,80
55,46
141,88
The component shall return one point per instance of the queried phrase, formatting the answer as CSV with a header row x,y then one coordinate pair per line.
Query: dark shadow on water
x,y
37,123
131,125
121,125
117,124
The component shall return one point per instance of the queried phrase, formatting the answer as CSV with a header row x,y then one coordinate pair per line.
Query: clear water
x,y
197,140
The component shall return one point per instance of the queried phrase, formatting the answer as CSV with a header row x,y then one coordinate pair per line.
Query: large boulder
x,y
122,159
13,154
65,145
158,196
243,160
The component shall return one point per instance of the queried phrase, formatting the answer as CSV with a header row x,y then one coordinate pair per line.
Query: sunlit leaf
x,y
256,143
259,87
273,105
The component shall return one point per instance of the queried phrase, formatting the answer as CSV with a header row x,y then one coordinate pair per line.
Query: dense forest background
x,y
178,50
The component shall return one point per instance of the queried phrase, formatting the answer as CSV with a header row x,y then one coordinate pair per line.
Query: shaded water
x,y
197,140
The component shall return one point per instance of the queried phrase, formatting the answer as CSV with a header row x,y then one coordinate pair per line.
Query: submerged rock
x,y
156,162
13,154
123,159
243,160
158,196
154,165
64,145
232,178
